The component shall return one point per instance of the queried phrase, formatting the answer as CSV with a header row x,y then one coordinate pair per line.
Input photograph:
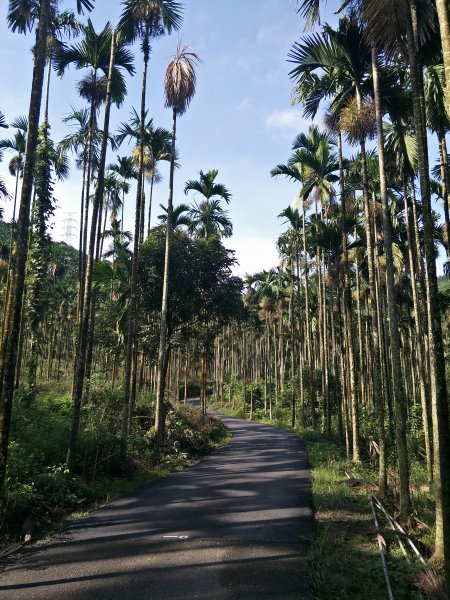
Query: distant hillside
x,y
62,255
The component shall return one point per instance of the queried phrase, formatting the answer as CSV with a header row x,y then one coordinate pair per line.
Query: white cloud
x,y
286,123
253,255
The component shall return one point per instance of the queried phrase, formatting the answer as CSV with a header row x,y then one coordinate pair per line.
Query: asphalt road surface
x,y
235,526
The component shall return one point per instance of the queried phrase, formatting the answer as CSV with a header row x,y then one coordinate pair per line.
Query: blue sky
x,y
240,122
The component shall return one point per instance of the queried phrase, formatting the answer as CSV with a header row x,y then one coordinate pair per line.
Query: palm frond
x,y
21,123
180,79
292,172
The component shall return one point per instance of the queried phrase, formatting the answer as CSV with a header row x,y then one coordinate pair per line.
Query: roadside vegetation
x,y
41,492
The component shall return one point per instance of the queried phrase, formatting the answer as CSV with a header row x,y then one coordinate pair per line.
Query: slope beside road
x,y
235,526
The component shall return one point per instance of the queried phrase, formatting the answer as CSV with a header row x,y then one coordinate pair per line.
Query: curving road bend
x,y
235,526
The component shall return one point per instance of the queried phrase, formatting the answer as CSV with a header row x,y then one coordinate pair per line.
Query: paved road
x,y
235,526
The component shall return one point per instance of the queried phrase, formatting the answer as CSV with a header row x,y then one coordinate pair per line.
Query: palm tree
x,y
310,91
398,388
289,244
317,163
159,149
94,52
146,20
118,56
179,86
10,342
120,242
270,292
112,201
207,187
438,120
294,171
3,190
209,219
345,58
78,143
180,216
13,310
124,167
17,145
440,409
156,147
439,397
47,162
444,28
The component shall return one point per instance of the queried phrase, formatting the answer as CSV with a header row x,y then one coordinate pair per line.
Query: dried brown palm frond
x,y
307,202
357,122
180,79
444,235
429,582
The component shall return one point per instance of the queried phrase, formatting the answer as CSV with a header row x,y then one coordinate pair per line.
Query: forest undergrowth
x,y
41,493
344,558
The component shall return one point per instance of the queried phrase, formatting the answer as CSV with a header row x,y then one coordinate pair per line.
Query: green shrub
x,y
40,487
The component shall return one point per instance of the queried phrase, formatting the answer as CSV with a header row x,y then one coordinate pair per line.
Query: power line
x,y
70,227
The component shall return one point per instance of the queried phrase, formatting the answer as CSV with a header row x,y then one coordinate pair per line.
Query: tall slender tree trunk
x,y
131,329
348,314
398,387
150,198
163,339
439,401
376,367
308,323
444,28
13,304
80,359
47,87
292,348
424,396
87,191
142,217
445,178
81,231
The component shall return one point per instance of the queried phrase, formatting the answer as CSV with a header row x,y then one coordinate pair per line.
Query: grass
x,y
344,556
344,560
